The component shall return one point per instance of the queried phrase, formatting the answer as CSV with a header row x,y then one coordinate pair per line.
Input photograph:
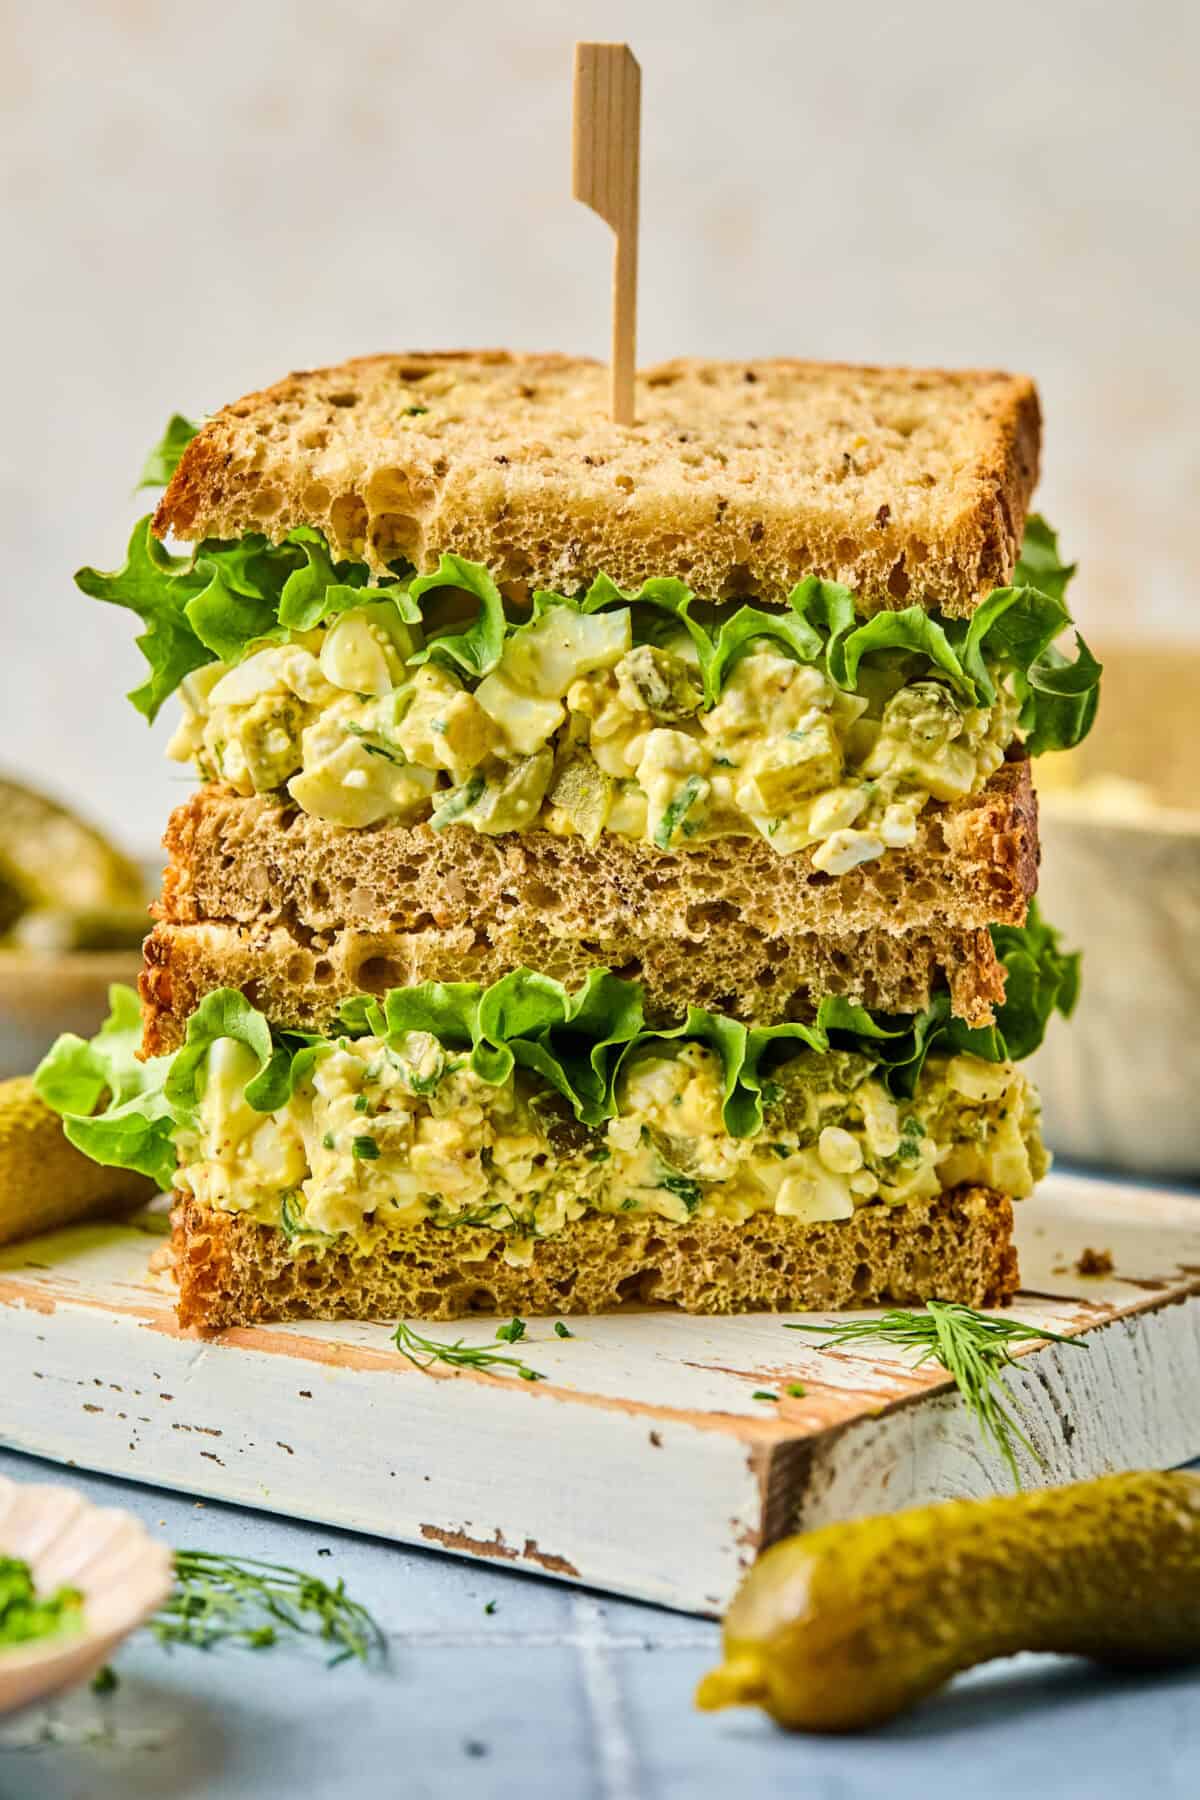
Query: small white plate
x,y
122,1572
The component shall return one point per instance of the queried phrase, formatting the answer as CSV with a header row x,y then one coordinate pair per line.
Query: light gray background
x,y
201,197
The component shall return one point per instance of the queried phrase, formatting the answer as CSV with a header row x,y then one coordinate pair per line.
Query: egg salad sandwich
x,y
610,873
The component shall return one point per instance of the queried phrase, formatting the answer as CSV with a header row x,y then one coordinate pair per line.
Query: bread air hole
x,y
396,535
348,520
377,973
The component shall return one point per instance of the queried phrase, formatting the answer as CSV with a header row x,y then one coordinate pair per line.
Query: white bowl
x,y
1120,877
42,996
122,1572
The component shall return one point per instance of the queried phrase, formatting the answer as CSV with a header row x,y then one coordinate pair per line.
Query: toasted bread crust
x,y
233,1271
909,485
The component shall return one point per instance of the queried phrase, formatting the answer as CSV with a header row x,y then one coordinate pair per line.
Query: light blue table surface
x,y
558,1693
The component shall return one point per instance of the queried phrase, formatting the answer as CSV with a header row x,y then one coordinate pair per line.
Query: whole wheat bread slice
x,y
234,1271
730,924
909,485
298,982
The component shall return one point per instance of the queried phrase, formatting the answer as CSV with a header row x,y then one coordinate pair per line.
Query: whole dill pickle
x,y
841,1628
45,1182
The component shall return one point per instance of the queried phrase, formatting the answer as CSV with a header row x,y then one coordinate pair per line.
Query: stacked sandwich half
x,y
611,868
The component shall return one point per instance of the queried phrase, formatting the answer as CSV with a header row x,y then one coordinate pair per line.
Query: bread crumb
x,y
1095,1262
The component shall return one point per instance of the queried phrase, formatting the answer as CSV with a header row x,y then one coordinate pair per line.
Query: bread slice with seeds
x,y
958,1246
909,485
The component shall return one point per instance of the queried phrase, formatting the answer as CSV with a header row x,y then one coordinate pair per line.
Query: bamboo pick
x,y
604,175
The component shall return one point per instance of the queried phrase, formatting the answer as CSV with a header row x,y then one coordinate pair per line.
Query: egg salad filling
x,y
382,1136
580,728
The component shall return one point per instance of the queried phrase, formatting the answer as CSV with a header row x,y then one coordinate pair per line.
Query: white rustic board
x,y
642,1464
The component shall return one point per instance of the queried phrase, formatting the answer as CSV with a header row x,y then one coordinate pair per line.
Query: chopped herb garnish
x,y
364,1149
459,801
560,1330
796,1390
490,1607
682,1186
762,1394
329,1141
105,1680
27,1616
414,412
240,1599
361,1103
512,1333
425,1351
972,1347
678,810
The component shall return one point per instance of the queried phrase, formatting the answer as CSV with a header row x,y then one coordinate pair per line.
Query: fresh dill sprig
x,y
241,1599
424,1351
974,1349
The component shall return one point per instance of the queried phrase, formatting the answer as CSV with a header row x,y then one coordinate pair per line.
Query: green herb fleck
x,y
490,1607
105,1680
512,1333
762,1394
678,810
560,1330
796,1390
329,1141
415,412
364,1149
459,801
682,1186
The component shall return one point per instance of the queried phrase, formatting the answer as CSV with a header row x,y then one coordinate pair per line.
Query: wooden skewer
x,y
604,175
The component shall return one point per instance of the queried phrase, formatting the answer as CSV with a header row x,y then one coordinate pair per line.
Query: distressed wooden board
x,y
641,1465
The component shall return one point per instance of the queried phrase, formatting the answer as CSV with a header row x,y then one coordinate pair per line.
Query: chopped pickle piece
x,y
583,794
655,681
